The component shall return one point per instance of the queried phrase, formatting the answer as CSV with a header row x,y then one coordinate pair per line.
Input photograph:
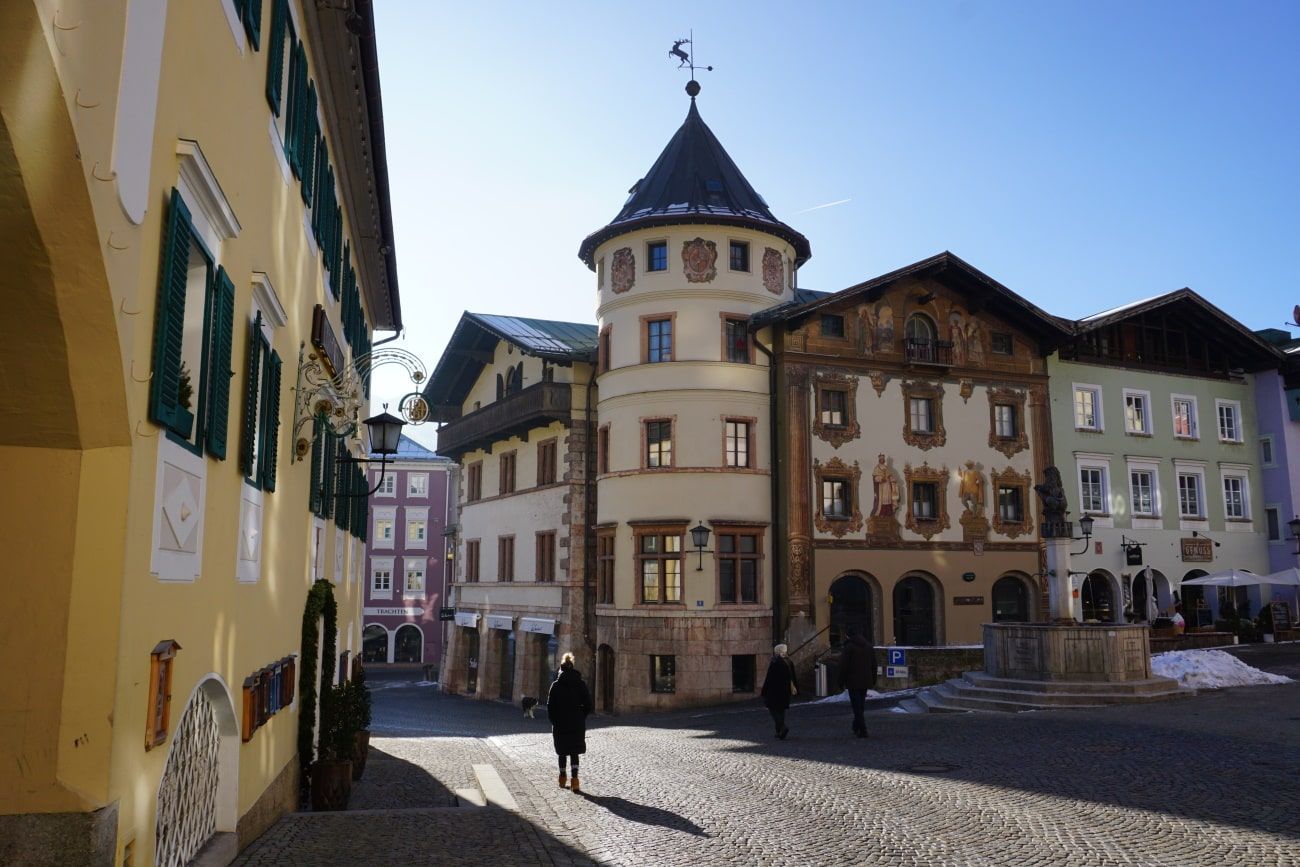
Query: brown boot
x,y
574,786
564,780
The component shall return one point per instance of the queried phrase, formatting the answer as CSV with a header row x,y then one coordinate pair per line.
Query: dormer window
x,y
657,256
713,188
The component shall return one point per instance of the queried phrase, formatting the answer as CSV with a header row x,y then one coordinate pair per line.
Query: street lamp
x,y
700,538
385,432
1085,525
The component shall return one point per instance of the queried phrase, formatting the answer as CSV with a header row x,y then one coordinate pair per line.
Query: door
x,y
408,646
187,793
1010,600
506,654
374,644
1098,602
850,609
914,612
471,662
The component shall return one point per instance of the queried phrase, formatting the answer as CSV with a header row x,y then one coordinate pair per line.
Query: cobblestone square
x,y
1209,780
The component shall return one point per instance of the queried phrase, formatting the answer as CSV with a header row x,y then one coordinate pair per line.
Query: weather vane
x,y
688,60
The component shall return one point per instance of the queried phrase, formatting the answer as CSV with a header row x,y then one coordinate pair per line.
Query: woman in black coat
x,y
567,706
778,686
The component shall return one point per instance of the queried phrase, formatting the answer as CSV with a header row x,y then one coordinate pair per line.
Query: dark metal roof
x,y
777,312
951,270
694,181
409,450
476,336
379,154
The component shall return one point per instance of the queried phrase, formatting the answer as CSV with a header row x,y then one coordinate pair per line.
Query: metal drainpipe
x,y
589,537
776,480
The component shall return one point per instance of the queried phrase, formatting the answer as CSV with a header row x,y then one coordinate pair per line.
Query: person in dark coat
x,y
567,706
857,675
778,686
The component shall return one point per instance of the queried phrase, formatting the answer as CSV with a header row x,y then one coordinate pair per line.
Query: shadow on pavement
x,y
391,782
646,815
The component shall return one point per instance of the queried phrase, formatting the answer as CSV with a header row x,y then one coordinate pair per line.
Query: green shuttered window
x,y
189,393
250,12
257,455
280,25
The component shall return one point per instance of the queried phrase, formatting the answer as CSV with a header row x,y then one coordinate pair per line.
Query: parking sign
x,y
897,657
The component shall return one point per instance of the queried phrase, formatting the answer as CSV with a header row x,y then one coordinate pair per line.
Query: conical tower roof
x,y
694,181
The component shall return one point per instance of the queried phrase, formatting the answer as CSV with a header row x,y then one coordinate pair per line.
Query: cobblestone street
x,y
1210,780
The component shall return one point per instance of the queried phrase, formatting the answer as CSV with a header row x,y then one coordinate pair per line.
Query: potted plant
x,y
331,774
359,707
184,400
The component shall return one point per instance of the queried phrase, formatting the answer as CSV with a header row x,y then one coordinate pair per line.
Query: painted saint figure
x,y
971,490
886,487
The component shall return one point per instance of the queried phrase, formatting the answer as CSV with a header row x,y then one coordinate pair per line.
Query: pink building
x,y
407,556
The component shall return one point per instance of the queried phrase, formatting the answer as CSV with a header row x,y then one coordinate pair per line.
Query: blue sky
x,y
1085,155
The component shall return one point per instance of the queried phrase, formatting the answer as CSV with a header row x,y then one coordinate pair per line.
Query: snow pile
x,y
843,696
1210,669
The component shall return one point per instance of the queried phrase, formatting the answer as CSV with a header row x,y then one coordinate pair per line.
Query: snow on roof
x,y
1121,308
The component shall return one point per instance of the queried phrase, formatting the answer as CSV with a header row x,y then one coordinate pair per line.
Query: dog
x,y
530,706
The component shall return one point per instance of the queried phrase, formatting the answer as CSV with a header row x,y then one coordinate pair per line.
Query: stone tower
x,y
684,428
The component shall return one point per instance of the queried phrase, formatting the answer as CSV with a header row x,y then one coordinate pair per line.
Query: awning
x,y
537,625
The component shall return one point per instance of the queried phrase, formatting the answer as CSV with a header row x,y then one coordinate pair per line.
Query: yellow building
x,y
195,219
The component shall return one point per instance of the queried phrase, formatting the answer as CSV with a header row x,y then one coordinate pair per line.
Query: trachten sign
x,y
392,612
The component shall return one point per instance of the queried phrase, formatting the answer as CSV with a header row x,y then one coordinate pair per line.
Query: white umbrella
x,y
1287,577
1230,578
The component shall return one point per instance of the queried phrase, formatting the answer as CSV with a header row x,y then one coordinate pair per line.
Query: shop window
x,y
742,673
663,673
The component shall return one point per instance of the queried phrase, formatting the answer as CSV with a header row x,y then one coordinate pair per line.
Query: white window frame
x,y
381,564
1241,473
1154,519
423,479
414,517
1192,468
1271,463
377,539
1145,396
1195,416
387,487
1235,405
1100,419
410,564
1095,462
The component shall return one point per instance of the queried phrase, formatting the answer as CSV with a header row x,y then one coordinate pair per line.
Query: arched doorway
x,y
471,660
408,644
1097,597
914,612
374,644
197,795
1011,600
605,667
1196,611
850,608
506,657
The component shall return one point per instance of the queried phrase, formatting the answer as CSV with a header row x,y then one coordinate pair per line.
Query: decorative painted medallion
x,y
622,271
773,270
699,260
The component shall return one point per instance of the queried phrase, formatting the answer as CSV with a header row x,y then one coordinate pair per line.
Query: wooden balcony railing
x,y
936,352
512,415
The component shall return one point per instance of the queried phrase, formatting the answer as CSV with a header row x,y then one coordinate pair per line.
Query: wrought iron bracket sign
x,y
338,397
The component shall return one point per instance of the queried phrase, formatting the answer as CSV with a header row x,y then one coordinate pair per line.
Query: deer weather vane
x,y
686,59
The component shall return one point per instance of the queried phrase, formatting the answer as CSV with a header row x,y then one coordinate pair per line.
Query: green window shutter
x,y
291,111
270,423
222,331
252,15
169,319
318,434
275,58
310,135
252,399
327,476
297,108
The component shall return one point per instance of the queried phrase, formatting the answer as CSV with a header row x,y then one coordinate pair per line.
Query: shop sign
x,y
968,600
897,656
1197,550
1133,555
445,614
500,621
467,618
392,612
537,625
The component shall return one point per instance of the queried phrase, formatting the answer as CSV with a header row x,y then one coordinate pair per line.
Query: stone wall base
x,y
703,647
279,798
41,839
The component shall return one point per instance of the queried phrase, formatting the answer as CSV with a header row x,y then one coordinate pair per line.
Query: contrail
x,y
827,205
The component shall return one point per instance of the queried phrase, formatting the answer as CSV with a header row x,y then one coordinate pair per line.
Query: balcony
x,y
513,415
932,352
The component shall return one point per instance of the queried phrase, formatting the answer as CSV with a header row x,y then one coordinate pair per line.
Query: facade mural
x,y
773,271
699,260
622,271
